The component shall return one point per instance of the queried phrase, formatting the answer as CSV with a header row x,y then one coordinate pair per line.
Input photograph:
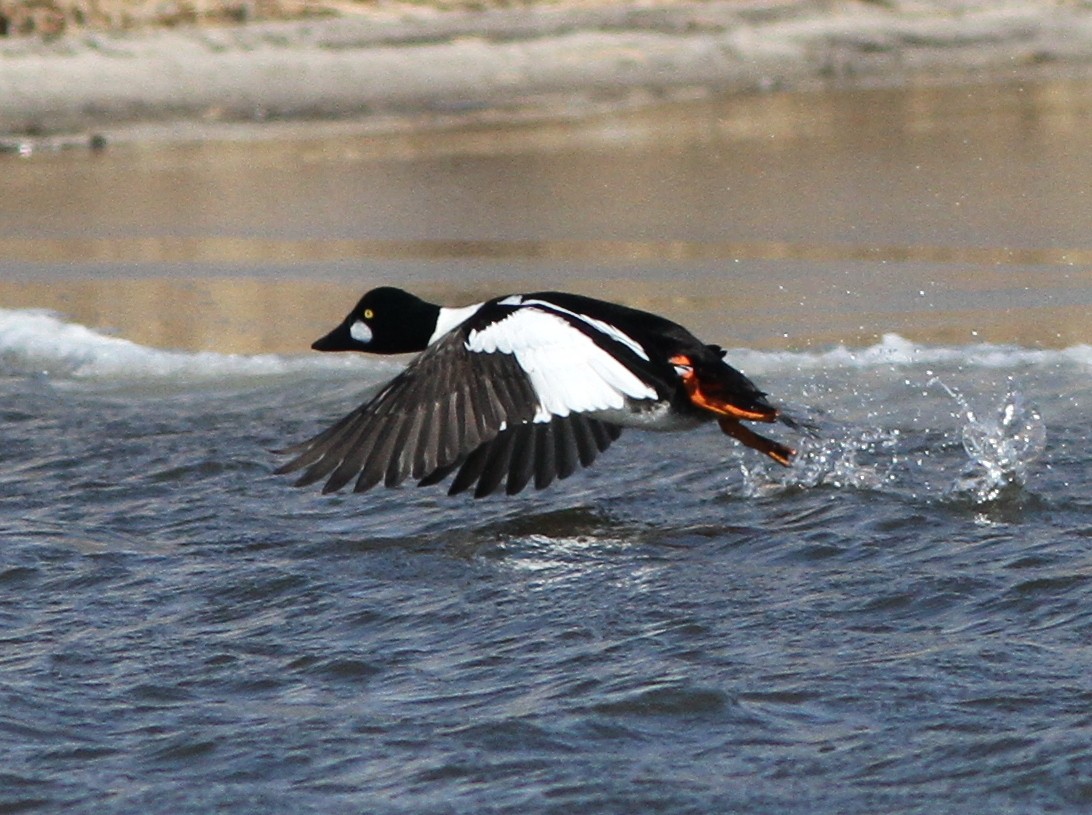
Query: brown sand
x,y
429,64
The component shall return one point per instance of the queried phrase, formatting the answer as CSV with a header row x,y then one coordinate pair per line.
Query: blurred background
x,y
228,176
883,211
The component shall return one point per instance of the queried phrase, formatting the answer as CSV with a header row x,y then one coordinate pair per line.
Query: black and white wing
x,y
506,402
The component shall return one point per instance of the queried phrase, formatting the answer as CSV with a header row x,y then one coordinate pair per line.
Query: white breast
x,y
451,318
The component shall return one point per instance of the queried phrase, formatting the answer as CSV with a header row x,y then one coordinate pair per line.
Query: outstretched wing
x,y
504,402
446,404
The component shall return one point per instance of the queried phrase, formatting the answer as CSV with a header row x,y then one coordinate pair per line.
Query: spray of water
x,y
1001,444
829,453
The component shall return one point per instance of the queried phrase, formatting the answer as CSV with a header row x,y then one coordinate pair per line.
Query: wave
x,y
899,352
38,342
34,341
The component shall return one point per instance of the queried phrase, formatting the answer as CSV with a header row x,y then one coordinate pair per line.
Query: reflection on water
x,y
262,250
946,214
777,306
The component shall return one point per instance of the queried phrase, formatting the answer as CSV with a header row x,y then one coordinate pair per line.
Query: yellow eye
x,y
368,314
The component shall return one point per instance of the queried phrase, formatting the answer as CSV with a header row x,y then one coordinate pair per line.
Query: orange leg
x,y
778,452
729,415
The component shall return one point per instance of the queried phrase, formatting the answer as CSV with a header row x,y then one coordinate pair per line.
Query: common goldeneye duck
x,y
521,388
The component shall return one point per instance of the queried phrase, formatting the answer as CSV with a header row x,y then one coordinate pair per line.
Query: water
x,y
899,623
946,215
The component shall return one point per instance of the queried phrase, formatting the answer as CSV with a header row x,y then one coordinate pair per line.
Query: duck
x,y
518,390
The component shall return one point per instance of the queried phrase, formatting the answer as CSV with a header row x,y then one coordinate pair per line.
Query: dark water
x,y
903,622
900,623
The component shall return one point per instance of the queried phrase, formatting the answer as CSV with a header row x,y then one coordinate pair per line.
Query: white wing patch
x,y
569,372
598,325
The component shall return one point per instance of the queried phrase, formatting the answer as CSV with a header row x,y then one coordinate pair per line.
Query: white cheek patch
x,y
360,332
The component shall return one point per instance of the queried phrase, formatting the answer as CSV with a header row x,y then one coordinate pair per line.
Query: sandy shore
x,y
388,67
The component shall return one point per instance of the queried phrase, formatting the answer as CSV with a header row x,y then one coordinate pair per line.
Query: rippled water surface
x,y
902,622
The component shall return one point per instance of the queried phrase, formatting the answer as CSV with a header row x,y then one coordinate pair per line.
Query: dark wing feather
x,y
522,465
351,453
496,463
544,451
564,449
446,405
470,470
545,464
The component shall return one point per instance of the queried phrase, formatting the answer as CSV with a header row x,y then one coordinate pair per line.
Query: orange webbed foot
x,y
778,452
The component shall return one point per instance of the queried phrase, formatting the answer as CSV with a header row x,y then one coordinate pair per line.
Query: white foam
x,y
36,341
894,351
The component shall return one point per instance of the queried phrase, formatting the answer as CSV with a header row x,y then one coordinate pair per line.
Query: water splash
x,y
833,454
1001,445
